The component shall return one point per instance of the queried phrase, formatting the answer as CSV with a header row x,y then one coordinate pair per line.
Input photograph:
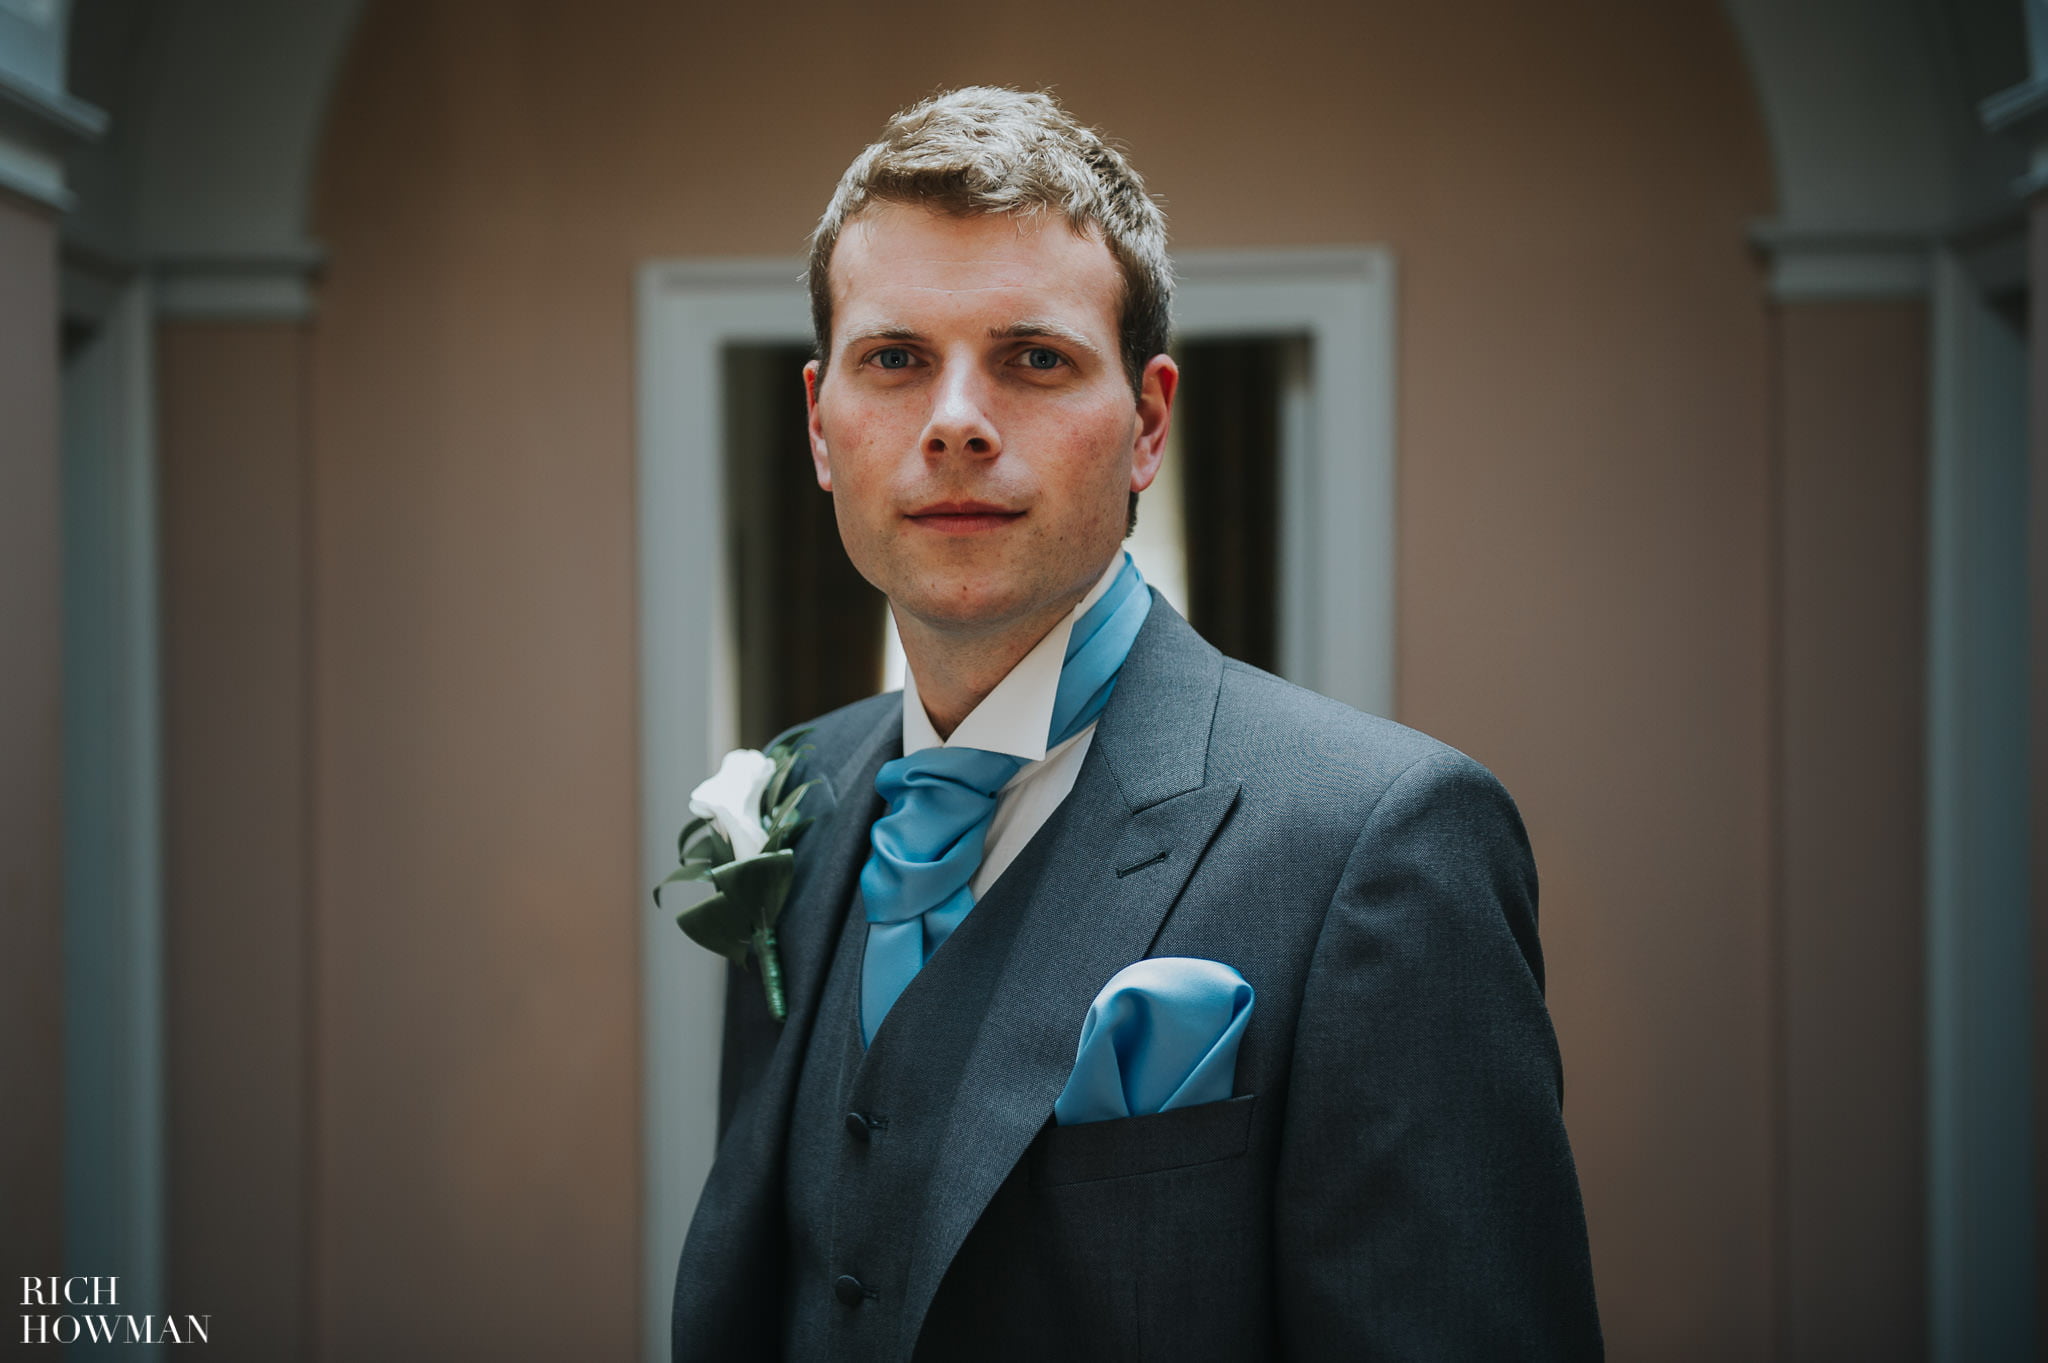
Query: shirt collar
x,y
1016,717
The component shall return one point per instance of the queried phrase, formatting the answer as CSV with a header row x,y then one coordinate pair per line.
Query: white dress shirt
x,y
1016,718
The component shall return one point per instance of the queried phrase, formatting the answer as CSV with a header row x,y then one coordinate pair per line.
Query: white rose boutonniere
x,y
732,800
739,841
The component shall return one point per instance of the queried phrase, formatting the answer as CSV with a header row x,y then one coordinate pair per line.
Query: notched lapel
x,y
828,859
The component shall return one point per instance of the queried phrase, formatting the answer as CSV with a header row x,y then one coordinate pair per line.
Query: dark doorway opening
x,y
1229,415
808,628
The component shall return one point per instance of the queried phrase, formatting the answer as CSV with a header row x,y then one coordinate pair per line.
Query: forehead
x,y
898,265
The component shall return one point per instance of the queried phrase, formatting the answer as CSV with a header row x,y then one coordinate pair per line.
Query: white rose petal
x,y
732,800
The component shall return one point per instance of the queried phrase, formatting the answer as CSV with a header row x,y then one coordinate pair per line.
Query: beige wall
x,y
1585,601
1852,458
31,752
232,459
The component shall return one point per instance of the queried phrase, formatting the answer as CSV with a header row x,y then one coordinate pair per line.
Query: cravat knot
x,y
927,847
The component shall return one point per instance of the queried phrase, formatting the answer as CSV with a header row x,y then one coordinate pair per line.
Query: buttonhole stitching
x,y
1150,861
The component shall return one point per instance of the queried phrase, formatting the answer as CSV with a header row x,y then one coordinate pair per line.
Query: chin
x,y
950,609
963,597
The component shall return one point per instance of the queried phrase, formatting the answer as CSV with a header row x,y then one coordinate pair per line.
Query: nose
x,y
960,423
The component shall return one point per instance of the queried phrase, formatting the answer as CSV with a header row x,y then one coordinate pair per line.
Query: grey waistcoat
x,y
864,1131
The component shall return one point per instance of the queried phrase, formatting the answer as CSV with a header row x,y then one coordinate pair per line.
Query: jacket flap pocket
x,y
1151,1144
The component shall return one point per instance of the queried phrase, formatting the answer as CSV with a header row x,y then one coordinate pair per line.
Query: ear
x,y
820,460
1155,414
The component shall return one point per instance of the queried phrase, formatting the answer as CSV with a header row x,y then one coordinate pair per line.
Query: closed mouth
x,y
960,518
963,509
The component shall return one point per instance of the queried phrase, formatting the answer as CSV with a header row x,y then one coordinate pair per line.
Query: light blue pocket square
x,y
1162,1034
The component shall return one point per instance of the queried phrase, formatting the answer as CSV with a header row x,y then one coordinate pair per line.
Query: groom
x,y
1073,781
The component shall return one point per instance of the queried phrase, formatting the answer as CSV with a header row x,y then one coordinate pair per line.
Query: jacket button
x,y
849,1290
856,1126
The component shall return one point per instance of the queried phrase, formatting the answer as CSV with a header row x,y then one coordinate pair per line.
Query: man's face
x,y
975,426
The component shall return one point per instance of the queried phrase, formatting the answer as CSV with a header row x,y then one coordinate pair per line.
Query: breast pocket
x,y
1129,1146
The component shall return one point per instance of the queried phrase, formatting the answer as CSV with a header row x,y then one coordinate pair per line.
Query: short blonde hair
x,y
987,150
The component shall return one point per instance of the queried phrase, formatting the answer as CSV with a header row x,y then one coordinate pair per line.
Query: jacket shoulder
x,y
1293,739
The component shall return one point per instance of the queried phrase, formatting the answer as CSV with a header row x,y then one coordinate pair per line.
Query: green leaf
x,y
712,847
694,869
720,925
783,822
773,793
671,878
690,830
784,752
759,883
689,870
782,836
784,808
787,745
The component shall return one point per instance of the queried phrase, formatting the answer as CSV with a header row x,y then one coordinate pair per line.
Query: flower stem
x,y
771,972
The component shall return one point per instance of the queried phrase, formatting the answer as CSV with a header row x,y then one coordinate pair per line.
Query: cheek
x,y
866,477
851,449
1096,462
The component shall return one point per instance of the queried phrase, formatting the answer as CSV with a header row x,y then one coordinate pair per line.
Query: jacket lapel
x,y
736,1236
827,869
1128,837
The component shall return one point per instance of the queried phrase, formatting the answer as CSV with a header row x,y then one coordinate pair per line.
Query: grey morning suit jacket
x,y
1392,1180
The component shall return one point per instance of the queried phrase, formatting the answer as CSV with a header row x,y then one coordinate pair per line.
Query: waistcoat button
x,y
856,1126
849,1290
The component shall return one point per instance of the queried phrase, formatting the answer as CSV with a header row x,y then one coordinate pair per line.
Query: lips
x,y
963,518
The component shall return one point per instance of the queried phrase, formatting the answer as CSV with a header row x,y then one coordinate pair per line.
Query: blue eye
x,y
1038,357
895,357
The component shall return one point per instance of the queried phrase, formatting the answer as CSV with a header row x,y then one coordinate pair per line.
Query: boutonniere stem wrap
x,y
739,842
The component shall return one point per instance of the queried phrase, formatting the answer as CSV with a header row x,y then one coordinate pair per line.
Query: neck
x,y
956,668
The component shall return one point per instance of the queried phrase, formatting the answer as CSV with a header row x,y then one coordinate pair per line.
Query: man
x,y
1388,1177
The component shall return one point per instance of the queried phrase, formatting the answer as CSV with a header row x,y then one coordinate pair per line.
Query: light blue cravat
x,y
925,850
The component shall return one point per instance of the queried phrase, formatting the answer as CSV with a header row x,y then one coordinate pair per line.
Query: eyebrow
x,y
1036,328
884,334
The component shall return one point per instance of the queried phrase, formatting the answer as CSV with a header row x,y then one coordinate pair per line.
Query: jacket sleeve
x,y
1427,1206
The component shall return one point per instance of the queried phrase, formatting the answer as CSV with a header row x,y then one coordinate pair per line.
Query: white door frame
x,y
1336,586
1337,449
